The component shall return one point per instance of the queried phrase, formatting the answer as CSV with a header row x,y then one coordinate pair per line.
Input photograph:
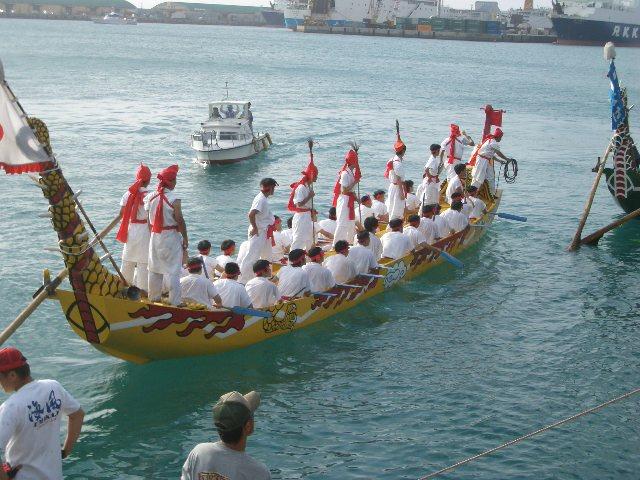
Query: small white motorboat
x,y
227,136
114,18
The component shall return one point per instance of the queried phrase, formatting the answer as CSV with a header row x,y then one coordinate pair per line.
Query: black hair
x,y
314,251
434,146
268,182
23,372
289,222
340,245
472,189
457,194
232,436
332,212
296,254
414,218
227,244
378,192
460,167
204,245
260,265
364,198
231,268
408,183
370,224
457,205
362,236
428,208
396,222
276,217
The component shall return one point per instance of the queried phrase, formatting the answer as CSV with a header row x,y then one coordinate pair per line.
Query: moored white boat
x,y
114,18
227,135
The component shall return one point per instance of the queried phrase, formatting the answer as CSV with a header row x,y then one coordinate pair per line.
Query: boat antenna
x,y
226,85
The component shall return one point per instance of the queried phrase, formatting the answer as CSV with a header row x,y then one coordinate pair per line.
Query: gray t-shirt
x,y
215,461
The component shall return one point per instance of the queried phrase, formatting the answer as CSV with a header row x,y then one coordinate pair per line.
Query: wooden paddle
x,y
448,257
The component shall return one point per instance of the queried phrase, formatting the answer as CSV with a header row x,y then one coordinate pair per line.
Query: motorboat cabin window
x,y
229,110
215,113
229,136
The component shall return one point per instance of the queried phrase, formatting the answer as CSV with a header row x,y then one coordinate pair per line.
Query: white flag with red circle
x,y
20,150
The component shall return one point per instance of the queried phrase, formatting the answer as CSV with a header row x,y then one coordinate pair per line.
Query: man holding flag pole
x,y
301,203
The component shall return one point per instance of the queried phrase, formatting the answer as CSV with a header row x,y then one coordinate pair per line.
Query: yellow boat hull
x,y
140,331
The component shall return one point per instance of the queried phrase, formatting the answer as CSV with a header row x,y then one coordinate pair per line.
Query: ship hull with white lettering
x,y
582,31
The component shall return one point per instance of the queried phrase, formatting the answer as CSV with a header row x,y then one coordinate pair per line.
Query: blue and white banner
x,y
618,112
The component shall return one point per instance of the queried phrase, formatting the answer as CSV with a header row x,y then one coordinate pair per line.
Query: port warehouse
x,y
172,12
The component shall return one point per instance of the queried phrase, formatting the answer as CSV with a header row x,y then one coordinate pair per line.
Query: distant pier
x,y
439,35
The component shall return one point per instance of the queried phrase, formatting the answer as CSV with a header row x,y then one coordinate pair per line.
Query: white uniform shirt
x,y
362,258
365,212
232,293
209,265
264,217
375,245
415,236
489,149
342,268
301,192
433,165
442,227
30,428
428,229
293,281
283,241
320,277
395,245
209,461
165,248
137,247
379,208
327,225
223,259
413,203
396,175
198,289
458,152
455,184
478,207
262,292
457,221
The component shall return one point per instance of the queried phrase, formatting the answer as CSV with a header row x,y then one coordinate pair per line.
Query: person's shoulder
x,y
261,472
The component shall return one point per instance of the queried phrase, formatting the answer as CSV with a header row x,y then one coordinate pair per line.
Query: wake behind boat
x,y
114,18
227,135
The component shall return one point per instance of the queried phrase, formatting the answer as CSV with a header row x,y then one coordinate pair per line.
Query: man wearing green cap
x,y
227,459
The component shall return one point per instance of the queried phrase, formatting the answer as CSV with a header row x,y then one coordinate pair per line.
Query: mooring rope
x,y
528,435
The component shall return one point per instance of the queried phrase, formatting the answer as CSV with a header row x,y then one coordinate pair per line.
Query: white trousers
x,y
395,202
136,273
259,248
155,287
302,229
483,170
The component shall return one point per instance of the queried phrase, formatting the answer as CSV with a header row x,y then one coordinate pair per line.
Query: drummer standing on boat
x,y
134,231
261,228
396,196
300,203
344,197
169,240
453,148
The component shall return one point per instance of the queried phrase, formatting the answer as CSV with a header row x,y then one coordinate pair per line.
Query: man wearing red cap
x,y
344,197
483,159
452,148
300,203
134,230
30,421
396,196
169,240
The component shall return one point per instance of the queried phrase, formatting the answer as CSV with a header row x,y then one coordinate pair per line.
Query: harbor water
x,y
434,371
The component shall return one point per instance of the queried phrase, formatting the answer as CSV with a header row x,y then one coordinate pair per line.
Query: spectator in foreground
x,y
30,421
226,458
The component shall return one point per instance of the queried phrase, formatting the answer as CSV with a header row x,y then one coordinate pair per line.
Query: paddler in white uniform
x,y
396,195
482,161
261,228
344,197
300,203
169,240
134,231
453,148
429,190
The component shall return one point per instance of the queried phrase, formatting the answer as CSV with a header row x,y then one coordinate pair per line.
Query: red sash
x,y
270,229
452,149
291,206
158,220
135,200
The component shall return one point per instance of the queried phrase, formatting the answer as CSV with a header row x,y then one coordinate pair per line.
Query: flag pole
x,y
313,224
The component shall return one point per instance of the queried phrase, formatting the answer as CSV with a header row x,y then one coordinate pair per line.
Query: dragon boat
x,y
101,310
